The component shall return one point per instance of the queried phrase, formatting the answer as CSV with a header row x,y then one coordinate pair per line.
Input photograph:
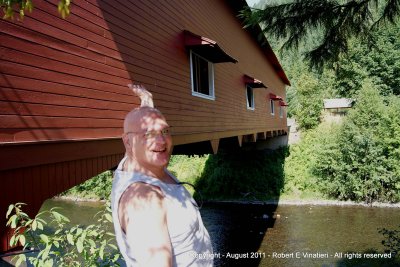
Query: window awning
x,y
275,97
254,83
283,104
206,48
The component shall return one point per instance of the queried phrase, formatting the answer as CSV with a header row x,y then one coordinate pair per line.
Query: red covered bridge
x,y
63,87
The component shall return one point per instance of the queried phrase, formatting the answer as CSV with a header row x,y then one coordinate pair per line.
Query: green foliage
x,y
300,182
92,245
361,163
98,187
187,168
306,101
22,6
391,241
333,22
244,174
379,63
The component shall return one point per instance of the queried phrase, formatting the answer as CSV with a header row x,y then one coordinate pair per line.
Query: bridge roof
x,y
260,38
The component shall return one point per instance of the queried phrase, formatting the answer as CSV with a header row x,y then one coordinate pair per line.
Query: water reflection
x,y
239,231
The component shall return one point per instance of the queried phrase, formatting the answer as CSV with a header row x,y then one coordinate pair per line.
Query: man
x,y
156,221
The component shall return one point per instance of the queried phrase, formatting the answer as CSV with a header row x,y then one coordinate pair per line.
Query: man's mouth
x,y
159,150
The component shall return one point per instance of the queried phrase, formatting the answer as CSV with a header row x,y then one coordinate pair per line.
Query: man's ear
x,y
127,142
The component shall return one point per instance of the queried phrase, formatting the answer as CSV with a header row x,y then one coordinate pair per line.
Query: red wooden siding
x,y
66,79
33,185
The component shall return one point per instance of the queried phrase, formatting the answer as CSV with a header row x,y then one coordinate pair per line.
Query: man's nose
x,y
159,137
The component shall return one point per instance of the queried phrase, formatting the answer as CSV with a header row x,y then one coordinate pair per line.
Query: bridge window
x,y
282,105
202,75
272,106
250,97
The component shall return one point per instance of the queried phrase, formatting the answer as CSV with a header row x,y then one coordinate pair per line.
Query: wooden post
x,y
240,139
214,144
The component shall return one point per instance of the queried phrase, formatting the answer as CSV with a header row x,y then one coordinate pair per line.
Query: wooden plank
x,y
62,67
29,83
17,47
6,198
12,136
24,33
90,167
51,170
35,177
96,168
47,181
17,187
28,185
11,122
71,174
17,156
42,109
46,75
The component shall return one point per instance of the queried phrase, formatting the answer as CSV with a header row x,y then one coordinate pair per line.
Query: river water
x,y
281,235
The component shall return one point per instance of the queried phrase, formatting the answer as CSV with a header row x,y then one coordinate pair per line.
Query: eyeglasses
x,y
153,134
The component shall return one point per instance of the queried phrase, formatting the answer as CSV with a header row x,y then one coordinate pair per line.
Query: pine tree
x,y
331,23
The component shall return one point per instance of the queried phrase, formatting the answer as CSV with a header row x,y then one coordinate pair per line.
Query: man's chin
x,y
160,158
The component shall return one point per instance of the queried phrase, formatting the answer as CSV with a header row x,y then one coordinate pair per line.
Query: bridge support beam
x,y
272,142
215,145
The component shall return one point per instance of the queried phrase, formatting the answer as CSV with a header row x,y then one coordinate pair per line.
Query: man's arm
x,y
146,98
142,215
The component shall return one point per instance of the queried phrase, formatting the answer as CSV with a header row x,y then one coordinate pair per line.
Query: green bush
x,y
98,187
391,241
362,162
92,245
243,175
307,100
300,181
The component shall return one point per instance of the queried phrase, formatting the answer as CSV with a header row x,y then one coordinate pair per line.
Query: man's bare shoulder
x,y
141,195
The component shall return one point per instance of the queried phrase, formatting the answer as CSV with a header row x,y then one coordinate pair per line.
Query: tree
x,y
308,101
331,23
22,6
380,64
361,162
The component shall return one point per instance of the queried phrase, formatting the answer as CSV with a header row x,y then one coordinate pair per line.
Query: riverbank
x,y
314,202
291,201
260,177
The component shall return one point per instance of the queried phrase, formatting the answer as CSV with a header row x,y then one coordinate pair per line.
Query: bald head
x,y
136,116
147,141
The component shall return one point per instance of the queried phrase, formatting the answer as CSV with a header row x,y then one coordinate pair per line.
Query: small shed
x,y
336,108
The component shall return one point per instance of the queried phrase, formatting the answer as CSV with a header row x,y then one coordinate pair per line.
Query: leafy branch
x,y
391,241
22,6
334,22
92,245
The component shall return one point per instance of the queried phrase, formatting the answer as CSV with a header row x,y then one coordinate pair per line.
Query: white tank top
x,y
190,241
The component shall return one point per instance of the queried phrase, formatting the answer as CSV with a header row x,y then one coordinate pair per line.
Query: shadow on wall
x,y
253,177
